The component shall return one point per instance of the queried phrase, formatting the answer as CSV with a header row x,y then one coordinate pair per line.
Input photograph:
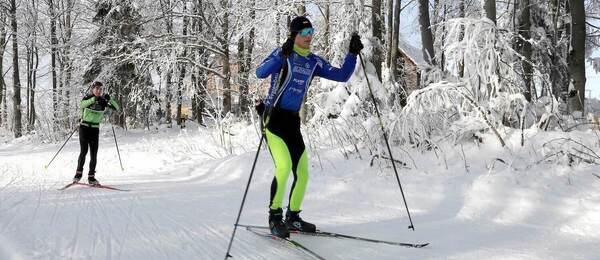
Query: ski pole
x,y
386,140
117,145
266,114
47,165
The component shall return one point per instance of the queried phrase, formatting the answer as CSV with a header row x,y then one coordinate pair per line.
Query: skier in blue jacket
x,y
297,66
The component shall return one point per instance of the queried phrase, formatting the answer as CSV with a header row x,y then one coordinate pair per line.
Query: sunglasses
x,y
306,32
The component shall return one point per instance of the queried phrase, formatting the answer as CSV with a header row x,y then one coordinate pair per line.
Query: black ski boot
x,y
92,180
295,223
77,176
276,224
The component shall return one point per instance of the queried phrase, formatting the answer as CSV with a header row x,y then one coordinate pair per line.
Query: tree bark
x,y
53,54
426,36
327,33
34,68
489,6
3,106
524,47
395,39
29,69
199,77
377,34
66,60
390,31
461,14
301,9
247,64
167,11
241,64
225,59
577,56
17,126
182,71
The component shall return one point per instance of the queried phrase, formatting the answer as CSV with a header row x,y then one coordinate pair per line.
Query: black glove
x,y
260,108
287,47
102,101
355,44
107,97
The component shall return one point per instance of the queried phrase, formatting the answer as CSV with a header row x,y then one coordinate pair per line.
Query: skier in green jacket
x,y
93,107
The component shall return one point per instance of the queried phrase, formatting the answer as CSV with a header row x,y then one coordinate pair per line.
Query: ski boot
x,y
92,180
276,224
295,223
77,176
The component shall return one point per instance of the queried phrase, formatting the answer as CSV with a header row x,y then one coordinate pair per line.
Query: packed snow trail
x,y
185,193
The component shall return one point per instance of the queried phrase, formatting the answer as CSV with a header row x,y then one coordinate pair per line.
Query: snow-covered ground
x,y
186,190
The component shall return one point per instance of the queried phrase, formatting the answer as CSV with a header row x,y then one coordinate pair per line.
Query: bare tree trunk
x,y
461,14
489,8
225,59
29,70
327,33
390,31
182,70
395,39
168,97
199,77
67,61
426,36
277,21
577,56
53,45
301,9
16,81
167,11
524,47
559,71
442,55
34,68
3,106
241,64
377,34
31,54
246,63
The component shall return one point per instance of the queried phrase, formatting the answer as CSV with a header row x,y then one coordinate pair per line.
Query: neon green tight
x,y
288,155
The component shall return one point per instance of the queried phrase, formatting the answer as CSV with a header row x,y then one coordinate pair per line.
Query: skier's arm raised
x,y
325,70
111,102
87,101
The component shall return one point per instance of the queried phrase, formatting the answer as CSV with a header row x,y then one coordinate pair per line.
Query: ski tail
x,y
288,241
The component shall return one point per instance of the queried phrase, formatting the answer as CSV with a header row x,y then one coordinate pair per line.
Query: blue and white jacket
x,y
300,70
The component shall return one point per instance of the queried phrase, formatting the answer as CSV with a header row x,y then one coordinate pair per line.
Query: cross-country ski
x,y
319,233
100,186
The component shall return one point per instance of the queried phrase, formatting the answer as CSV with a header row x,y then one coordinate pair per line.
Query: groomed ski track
x,y
185,194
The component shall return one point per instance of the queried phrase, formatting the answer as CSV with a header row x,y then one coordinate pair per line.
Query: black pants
x,y
88,136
